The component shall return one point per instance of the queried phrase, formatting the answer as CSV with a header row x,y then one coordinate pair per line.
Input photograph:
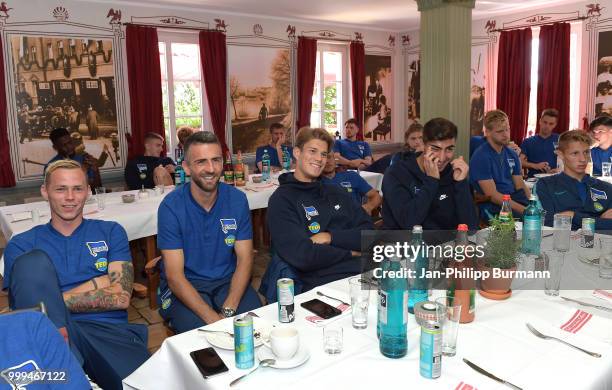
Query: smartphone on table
x,y
321,309
208,362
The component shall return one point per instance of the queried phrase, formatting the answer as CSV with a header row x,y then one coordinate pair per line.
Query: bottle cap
x,y
462,227
506,197
417,229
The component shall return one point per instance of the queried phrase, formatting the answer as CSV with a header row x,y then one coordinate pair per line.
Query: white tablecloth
x,y
497,340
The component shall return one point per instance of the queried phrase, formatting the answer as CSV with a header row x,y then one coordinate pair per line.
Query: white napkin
x,y
21,216
605,295
574,325
345,309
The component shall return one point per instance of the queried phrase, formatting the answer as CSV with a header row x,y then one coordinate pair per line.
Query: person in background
x,y
352,153
601,130
539,150
91,120
495,169
413,143
573,192
205,236
278,137
430,189
354,184
475,142
314,227
152,168
63,143
182,133
81,269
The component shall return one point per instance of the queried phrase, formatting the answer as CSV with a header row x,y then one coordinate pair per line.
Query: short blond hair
x,y
494,117
60,164
306,134
577,135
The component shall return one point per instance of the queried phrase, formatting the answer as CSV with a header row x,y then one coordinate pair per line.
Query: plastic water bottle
x,y
286,159
505,213
179,175
418,285
392,311
265,166
532,228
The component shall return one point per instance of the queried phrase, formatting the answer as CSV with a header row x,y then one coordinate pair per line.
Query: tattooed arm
x,y
114,297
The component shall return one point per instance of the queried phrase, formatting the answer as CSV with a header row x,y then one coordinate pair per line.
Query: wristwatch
x,y
228,312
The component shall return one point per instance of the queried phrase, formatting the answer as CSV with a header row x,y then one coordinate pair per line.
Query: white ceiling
x,y
389,15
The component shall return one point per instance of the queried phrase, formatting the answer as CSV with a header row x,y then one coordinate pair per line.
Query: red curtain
x,y
213,55
514,79
306,64
7,177
144,79
554,72
357,54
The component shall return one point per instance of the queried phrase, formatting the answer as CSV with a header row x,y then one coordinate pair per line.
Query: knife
x,y
488,374
588,304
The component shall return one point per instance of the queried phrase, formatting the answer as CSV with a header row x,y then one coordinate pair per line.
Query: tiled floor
x,y
140,313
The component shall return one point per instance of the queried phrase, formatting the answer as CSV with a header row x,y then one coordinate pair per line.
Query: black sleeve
x,y
132,176
292,242
167,161
351,238
464,204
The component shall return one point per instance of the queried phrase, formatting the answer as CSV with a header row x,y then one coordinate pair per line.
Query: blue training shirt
x,y
538,149
352,150
33,343
475,142
274,157
77,258
487,164
206,238
598,156
352,182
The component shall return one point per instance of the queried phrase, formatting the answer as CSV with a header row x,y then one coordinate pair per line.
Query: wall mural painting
x,y
478,82
603,90
64,82
413,82
260,94
378,98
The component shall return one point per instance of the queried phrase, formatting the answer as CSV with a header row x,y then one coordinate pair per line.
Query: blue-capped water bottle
x,y
392,309
418,285
532,227
265,166
286,158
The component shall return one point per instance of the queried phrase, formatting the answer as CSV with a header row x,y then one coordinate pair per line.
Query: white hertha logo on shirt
x,y
96,247
310,211
228,224
21,375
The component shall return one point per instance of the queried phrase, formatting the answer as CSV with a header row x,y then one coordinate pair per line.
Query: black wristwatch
x,y
228,312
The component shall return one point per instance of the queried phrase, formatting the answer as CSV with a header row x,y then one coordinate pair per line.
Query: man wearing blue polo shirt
x,y
274,149
81,269
354,184
205,236
601,128
539,149
573,192
495,169
350,152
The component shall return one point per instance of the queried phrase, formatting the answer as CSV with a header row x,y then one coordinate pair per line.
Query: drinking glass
x,y
360,299
605,259
606,167
449,313
101,197
553,262
332,339
562,225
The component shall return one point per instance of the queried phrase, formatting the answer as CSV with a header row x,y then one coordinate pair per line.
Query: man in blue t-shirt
x,y
152,168
81,269
205,236
539,150
31,343
495,169
354,184
350,152
278,137
601,128
63,143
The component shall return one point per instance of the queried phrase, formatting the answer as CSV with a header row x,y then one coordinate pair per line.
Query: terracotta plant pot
x,y
496,288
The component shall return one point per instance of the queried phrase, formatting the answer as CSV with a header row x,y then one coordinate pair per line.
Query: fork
x,y
545,337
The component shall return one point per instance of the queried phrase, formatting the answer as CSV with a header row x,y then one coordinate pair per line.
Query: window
x,y
182,88
329,102
574,80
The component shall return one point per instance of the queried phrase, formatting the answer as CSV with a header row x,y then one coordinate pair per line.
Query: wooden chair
x,y
152,271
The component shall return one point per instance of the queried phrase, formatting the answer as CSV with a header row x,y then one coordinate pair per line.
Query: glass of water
x,y
360,300
101,197
606,169
449,314
553,263
562,225
332,339
605,259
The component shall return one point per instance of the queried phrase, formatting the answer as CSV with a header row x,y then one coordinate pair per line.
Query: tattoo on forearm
x,y
127,277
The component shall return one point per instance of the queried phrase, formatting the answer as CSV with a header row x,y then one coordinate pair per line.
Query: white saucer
x,y
300,357
225,341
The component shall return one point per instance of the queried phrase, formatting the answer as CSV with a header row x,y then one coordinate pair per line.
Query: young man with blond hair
x,y
495,168
152,168
82,270
573,192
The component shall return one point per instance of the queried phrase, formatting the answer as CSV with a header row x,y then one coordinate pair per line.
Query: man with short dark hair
x,y
278,137
152,168
64,144
430,189
315,227
573,192
205,236
539,150
601,128
349,151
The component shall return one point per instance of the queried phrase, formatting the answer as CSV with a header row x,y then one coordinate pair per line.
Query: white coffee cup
x,y
284,342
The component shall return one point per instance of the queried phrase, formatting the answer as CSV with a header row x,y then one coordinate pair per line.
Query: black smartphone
x,y
321,309
208,362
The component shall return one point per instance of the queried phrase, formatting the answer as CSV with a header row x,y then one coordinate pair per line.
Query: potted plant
x,y
501,251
